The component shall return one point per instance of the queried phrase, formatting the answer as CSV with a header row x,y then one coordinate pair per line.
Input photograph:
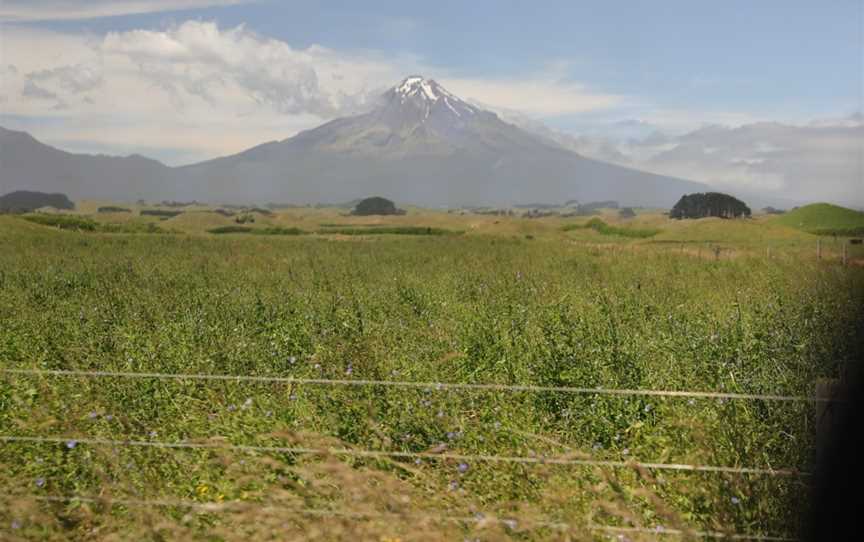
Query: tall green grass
x,y
433,309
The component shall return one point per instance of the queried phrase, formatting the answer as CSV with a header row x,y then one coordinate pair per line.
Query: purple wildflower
x,y
71,444
736,500
16,524
462,468
92,415
349,370
40,482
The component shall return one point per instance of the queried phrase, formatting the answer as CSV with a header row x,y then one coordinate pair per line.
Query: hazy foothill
x,y
23,201
412,319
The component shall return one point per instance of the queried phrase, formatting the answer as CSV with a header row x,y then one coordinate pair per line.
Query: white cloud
x,y
223,89
53,10
817,160
542,96
195,87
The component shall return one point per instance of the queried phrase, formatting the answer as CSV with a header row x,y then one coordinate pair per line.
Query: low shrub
x,y
83,223
161,213
230,229
276,230
113,209
605,229
64,222
839,232
391,230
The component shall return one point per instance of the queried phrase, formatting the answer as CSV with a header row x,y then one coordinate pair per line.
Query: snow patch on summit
x,y
432,100
415,85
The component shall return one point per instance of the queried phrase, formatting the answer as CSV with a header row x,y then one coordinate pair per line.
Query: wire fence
x,y
439,386
564,460
544,460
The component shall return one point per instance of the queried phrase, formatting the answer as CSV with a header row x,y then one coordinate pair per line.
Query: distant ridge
x,y
421,145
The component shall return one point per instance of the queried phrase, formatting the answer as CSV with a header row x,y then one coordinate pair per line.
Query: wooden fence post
x,y
845,254
818,249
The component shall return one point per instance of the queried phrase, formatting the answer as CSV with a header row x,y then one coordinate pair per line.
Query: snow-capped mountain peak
x,y
415,85
430,96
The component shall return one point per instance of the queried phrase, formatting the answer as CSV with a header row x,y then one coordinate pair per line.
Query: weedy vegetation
x,y
482,307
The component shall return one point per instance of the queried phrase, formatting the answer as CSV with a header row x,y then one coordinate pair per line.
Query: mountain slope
x,y
424,145
420,145
27,164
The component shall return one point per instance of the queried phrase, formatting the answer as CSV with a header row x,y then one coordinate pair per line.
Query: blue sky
x,y
222,75
794,58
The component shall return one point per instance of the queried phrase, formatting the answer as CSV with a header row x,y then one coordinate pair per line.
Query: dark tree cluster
x,y
376,206
24,201
702,205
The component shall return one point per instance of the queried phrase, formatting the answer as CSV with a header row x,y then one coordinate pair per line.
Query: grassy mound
x,y
824,219
605,229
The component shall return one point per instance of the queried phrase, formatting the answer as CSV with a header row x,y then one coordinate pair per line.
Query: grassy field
x,y
825,219
509,300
